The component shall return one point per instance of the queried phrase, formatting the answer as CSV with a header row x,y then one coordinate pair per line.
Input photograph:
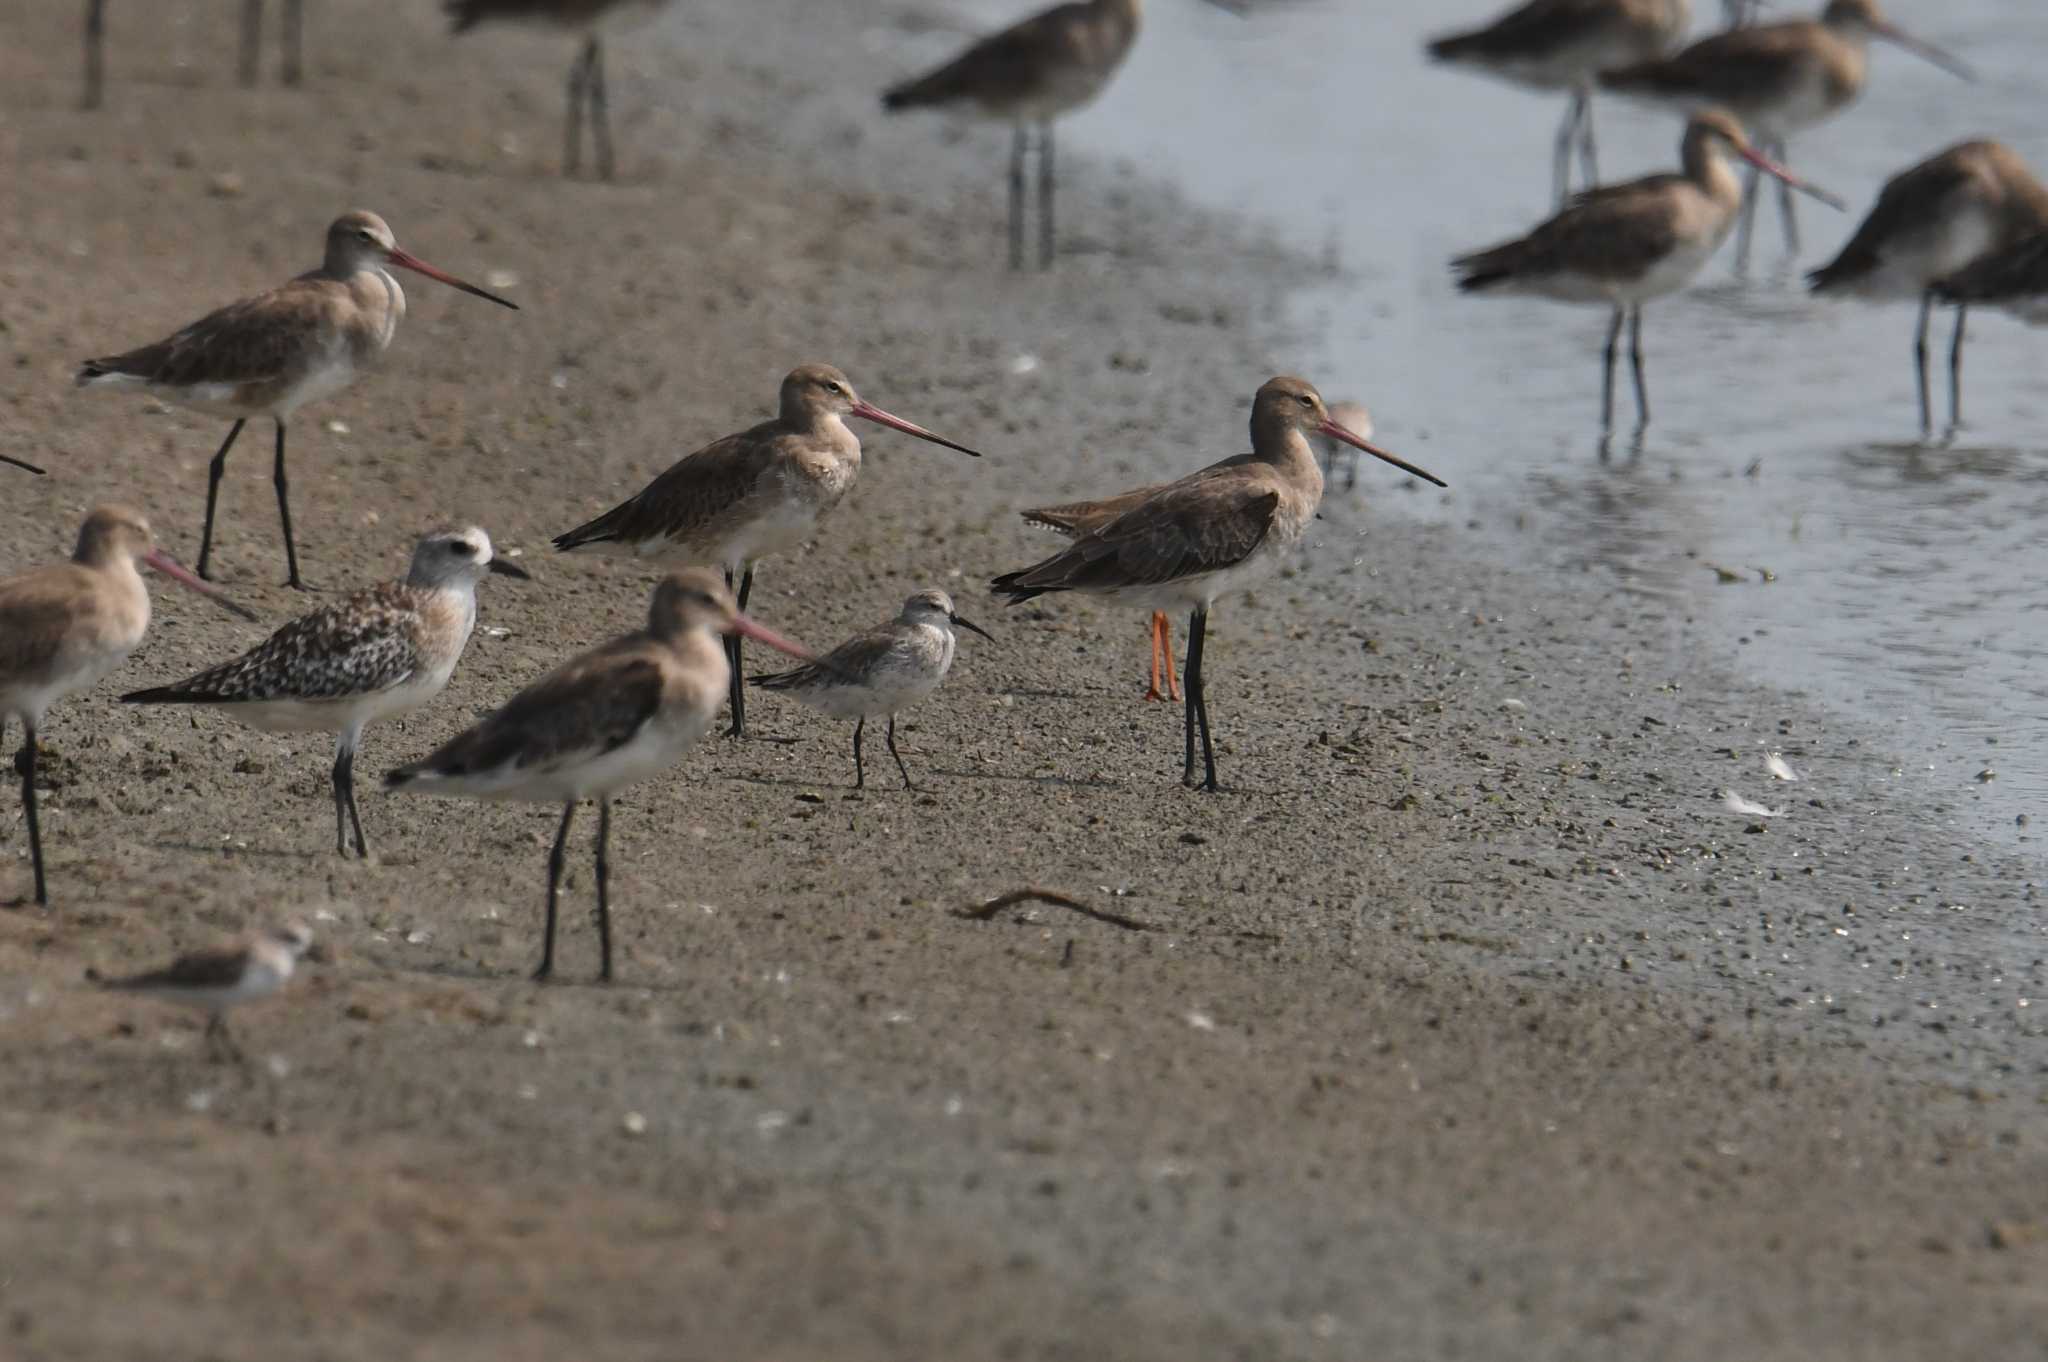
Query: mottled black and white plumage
x,y
880,672
382,651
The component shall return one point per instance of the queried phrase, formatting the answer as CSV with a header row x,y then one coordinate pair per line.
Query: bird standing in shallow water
x,y
64,627
272,354
604,720
1564,45
1028,76
1625,244
880,672
1930,221
1775,79
1185,543
378,654
742,498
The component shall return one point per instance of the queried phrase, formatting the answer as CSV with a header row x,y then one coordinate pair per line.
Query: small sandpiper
x,y
881,671
384,651
601,721
216,980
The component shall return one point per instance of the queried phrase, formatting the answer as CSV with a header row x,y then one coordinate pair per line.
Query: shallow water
x,y
1784,432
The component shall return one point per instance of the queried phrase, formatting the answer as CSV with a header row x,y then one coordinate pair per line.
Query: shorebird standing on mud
x,y
1028,76
291,44
880,672
272,354
609,718
592,19
379,653
1776,79
62,628
1185,543
1564,45
1930,221
216,980
739,499
1625,244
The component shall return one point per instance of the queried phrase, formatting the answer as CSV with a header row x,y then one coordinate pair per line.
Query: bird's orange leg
x,y
1166,650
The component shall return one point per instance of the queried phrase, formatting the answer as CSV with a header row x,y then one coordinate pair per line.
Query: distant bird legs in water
x,y
1775,79
1563,45
1930,222
1622,245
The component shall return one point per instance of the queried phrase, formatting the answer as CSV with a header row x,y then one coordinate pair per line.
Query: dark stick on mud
x,y
988,910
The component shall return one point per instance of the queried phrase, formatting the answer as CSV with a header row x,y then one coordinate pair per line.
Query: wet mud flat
x,y
1453,1027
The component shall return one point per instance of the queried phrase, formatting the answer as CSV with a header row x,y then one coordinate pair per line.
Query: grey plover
x,y
601,721
742,498
64,627
215,980
1625,244
379,653
1184,544
881,672
272,354
1930,221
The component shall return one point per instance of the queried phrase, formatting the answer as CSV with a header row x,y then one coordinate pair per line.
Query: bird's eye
x,y
834,388
363,233
1306,400
461,548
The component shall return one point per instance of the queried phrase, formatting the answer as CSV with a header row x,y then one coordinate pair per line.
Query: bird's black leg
x,y
284,515
547,950
294,57
214,471
1635,361
737,689
908,784
572,146
1018,138
252,34
600,112
1955,371
1748,222
345,798
604,903
1045,183
1589,151
25,766
95,55
860,774
1920,363
1198,704
1607,381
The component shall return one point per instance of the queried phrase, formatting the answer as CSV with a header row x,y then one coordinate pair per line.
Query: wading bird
x,y
1776,79
380,653
64,627
215,980
1625,244
1929,222
881,672
598,723
1563,45
1183,544
272,354
742,498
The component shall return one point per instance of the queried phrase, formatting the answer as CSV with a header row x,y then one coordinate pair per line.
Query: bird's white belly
x,y
1908,267
780,528
332,716
887,696
1191,592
